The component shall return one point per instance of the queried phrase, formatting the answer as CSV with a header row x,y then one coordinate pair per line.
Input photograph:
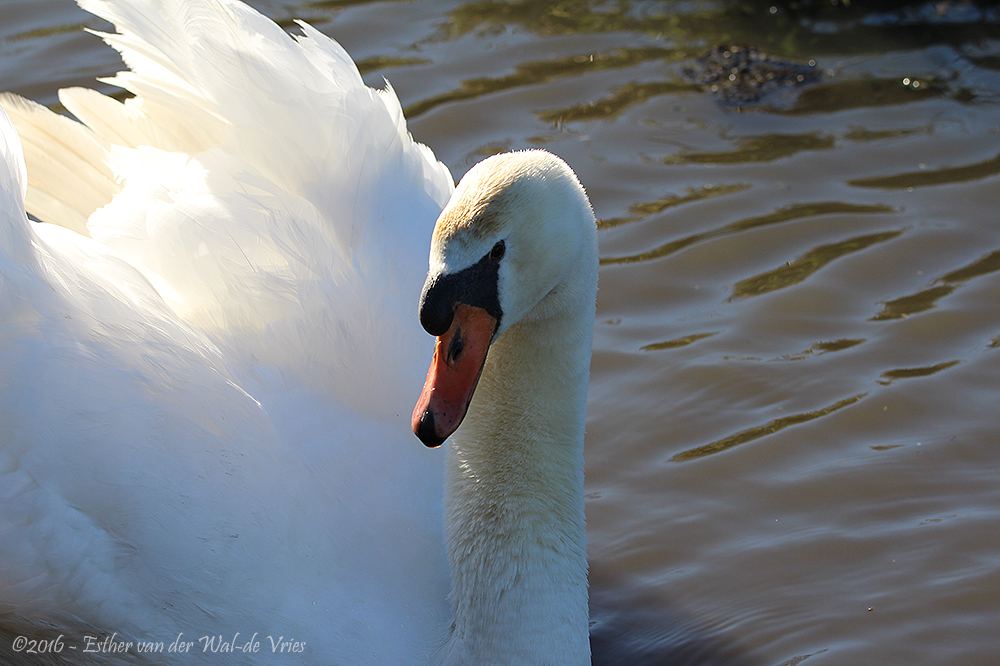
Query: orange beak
x,y
459,356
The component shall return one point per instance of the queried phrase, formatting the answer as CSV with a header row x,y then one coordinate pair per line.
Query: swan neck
x,y
514,500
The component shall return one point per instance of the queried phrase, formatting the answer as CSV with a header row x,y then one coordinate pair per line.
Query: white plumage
x,y
267,233
205,402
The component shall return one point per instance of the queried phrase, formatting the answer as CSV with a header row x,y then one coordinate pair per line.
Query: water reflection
x,y
608,108
641,211
925,177
905,373
532,73
784,214
678,342
926,299
757,432
763,148
799,269
861,93
561,17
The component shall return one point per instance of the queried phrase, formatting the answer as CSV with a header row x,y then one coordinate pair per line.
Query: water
x,y
793,433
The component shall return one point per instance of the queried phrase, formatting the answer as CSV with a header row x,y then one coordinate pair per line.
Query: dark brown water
x,y
793,440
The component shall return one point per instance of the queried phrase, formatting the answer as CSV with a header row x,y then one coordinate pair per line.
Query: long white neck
x,y
514,500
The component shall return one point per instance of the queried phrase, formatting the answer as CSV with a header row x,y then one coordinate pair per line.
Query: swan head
x,y
516,242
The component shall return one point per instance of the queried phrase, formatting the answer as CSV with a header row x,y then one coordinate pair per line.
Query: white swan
x,y
203,435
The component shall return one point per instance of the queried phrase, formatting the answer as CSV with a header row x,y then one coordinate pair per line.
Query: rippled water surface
x,y
793,449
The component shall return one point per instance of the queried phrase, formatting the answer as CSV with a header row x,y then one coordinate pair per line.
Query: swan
x,y
210,348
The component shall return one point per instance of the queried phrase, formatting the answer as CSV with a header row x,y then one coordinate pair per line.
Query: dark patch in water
x,y
742,75
647,632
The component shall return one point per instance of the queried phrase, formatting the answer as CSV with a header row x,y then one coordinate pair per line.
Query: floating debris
x,y
743,76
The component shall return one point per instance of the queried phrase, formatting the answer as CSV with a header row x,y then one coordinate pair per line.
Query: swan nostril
x,y
457,345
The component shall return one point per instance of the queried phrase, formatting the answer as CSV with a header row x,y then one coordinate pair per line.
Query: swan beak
x,y
459,356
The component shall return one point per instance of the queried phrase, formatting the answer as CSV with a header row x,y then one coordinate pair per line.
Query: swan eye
x,y
496,254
